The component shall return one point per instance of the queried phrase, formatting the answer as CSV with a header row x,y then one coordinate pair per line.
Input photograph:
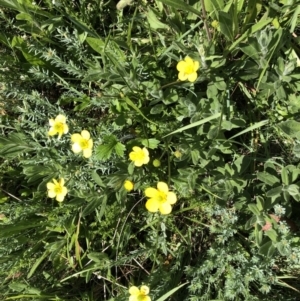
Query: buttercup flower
x,y
58,126
160,199
82,143
128,185
139,156
57,189
188,69
137,294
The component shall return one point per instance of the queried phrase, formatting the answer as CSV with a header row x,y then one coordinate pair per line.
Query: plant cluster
x,y
149,151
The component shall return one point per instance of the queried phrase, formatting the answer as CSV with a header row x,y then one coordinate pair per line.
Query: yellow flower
x,y
82,142
128,185
160,199
57,189
188,69
137,294
139,156
58,126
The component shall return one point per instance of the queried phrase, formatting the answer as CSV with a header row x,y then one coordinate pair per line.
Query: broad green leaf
x,y
272,234
153,20
274,192
258,234
226,25
267,249
290,128
251,48
151,143
213,7
293,189
254,209
267,178
97,178
179,4
285,176
97,44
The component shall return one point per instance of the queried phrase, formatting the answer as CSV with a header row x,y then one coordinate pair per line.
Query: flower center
x,y
59,127
58,189
139,155
189,69
162,197
84,143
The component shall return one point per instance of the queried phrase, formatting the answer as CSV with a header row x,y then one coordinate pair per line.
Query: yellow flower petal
x,y
64,191
60,197
66,129
152,205
181,66
188,60
182,76
60,118
196,65
146,298
90,143
62,182
87,153
165,208
171,198
133,298
138,162
76,148
134,290
51,194
136,149
52,131
50,186
151,192
192,77
85,134
144,289
76,138
162,186
128,185
51,122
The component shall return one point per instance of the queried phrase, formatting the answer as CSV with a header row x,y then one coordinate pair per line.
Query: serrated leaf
x,y
110,144
120,149
151,143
